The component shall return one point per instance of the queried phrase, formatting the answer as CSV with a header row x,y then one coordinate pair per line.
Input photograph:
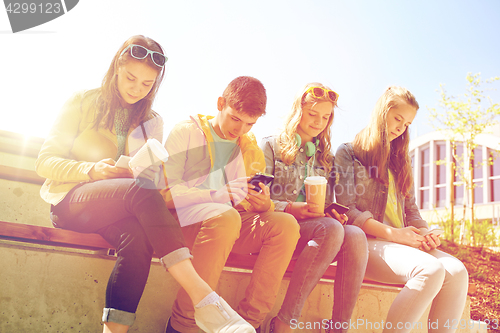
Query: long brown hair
x,y
373,148
108,98
287,141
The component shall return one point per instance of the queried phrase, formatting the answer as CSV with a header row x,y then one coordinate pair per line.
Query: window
x,y
424,178
494,168
440,174
424,199
459,185
478,192
424,169
495,189
441,196
440,163
478,162
459,195
477,174
494,162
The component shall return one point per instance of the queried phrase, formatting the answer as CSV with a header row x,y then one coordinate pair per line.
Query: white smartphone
x,y
123,162
435,232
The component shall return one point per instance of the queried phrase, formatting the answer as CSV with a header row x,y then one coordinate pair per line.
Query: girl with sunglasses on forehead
x,y
302,149
89,194
376,183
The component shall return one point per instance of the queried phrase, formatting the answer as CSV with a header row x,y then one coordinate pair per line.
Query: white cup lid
x,y
315,180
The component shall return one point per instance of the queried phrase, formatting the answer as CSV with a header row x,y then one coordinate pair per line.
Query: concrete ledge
x,y
21,203
21,175
26,233
57,289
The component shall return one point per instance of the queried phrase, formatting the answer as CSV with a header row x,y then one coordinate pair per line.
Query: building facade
x,y
431,156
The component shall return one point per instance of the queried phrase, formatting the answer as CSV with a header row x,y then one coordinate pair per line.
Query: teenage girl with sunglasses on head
x,y
376,183
89,194
303,149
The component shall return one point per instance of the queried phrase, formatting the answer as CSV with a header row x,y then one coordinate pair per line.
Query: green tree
x,y
462,118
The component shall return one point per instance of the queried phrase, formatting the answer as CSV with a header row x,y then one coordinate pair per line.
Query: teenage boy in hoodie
x,y
210,162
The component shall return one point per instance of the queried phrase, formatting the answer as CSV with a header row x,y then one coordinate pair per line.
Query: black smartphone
x,y
264,178
341,209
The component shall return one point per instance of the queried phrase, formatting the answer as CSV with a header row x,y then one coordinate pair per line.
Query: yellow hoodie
x,y
191,158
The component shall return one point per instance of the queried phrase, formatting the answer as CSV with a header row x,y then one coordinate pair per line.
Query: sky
x,y
356,47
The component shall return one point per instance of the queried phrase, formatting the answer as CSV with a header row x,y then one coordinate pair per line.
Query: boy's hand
x,y
259,201
234,191
300,210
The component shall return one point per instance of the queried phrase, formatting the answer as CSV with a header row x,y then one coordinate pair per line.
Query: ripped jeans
x,y
322,241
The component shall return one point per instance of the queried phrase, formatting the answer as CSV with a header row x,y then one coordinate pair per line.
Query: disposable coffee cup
x,y
316,192
151,153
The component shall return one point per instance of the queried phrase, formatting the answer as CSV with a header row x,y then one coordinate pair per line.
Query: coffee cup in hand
x,y
151,153
316,192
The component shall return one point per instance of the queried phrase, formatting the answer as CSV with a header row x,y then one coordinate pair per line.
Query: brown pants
x,y
273,235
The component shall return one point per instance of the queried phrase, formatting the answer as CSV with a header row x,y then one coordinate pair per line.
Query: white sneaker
x,y
219,317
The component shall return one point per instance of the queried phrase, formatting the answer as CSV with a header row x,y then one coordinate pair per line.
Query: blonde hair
x,y
286,138
373,148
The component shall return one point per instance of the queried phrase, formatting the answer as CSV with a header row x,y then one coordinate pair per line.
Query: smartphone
x,y
435,232
123,162
264,178
341,209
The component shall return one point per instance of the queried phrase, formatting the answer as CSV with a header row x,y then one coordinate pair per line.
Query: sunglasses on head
x,y
319,92
140,52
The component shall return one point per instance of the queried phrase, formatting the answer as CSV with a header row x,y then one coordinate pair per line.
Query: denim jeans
x,y
136,222
323,241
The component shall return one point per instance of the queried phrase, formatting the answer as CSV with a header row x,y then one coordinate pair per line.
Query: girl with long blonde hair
x,y
375,182
302,149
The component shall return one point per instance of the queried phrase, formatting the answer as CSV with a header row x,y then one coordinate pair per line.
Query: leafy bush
x,y
481,233
445,224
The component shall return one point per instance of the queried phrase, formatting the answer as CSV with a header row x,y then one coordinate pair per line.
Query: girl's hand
x,y
105,169
301,211
407,236
430,243
148,173
259,201
147,177
341,218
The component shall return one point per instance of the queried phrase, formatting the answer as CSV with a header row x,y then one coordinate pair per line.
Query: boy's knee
x,y
230,220
285,224
227,223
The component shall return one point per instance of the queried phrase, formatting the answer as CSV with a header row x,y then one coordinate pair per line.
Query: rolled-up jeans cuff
x,y
118,316
175,257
